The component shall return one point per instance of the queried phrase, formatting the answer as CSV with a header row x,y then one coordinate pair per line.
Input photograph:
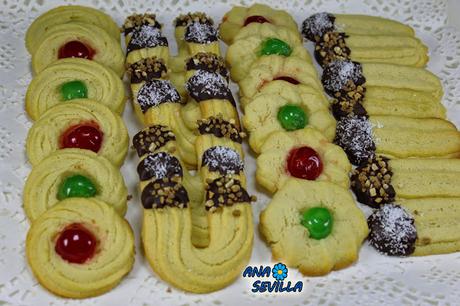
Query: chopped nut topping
x,y
152,138
164,192
222,192
221,128
330,47
147,69
137,20
186,19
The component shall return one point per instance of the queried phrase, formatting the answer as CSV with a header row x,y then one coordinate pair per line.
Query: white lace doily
x,y
375,279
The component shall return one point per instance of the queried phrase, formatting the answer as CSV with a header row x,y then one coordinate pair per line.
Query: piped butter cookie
x,y
77,39
74,78
239,18
304,154
80,248
83,124
321,227
73,173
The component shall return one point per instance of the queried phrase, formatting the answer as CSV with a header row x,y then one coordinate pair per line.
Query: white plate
x,y
374,279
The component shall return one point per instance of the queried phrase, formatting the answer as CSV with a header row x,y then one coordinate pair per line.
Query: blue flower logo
x,y
279,271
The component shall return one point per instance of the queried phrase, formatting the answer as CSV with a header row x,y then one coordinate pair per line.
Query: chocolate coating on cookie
x,y
159,165
392,230
371,182
156,92
342,76
331,47
209,62
315,26
164,192
200,33
223,160
147,69
146,36
137,20
184,20
354,135
219,127
225,191
152,138
205,85
347,108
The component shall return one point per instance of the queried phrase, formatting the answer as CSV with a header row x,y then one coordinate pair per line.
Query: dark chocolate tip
x,y
331,47
354,135
147,69
315,26
137,20
164,192
152,138
155,92
342,76
225,191
347,108
371,182
219,127
205,85
146,36
392,230
209,62
159,165
223,160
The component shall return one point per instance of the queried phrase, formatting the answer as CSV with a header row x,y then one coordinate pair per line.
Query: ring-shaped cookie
x,y
272,170
101,47
89,78
46,179
46,135
64,14
114,248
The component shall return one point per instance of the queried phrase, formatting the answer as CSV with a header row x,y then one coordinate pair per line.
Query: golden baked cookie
x,y
74,78
270,68
80,248
278,41
77,39
363,39
305,154
313,226
72,173
65,14
239,18
144,39
285,109
84,124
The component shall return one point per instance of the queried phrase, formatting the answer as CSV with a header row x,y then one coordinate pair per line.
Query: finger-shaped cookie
x,y
272,68
76,39
384,89
396,137
74,78
243,52
64,14
144,39
416,227
285,109
80,248
304,154
73,173
239,18
83,124
323,229
380,180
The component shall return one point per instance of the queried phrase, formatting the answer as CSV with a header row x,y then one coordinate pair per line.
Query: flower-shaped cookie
x,y
304,154
313,226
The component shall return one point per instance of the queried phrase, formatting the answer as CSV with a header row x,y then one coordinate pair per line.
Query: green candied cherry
x,y
76,186
74,90
318,221
275,46
292,117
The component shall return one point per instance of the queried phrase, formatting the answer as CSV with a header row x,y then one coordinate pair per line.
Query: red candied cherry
x,y
287,79
76,244
255,18
75,48
304,163
83,136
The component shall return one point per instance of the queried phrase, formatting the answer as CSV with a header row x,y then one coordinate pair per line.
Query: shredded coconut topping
x,y
200,33
204,85
147,36
158,166
317,25
392,230
155,92
339,73
222,159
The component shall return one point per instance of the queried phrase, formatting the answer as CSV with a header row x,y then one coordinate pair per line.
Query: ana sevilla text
x,y
278,272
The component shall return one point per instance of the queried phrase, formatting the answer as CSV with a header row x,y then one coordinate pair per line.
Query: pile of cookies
x,y
79,245
197,229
